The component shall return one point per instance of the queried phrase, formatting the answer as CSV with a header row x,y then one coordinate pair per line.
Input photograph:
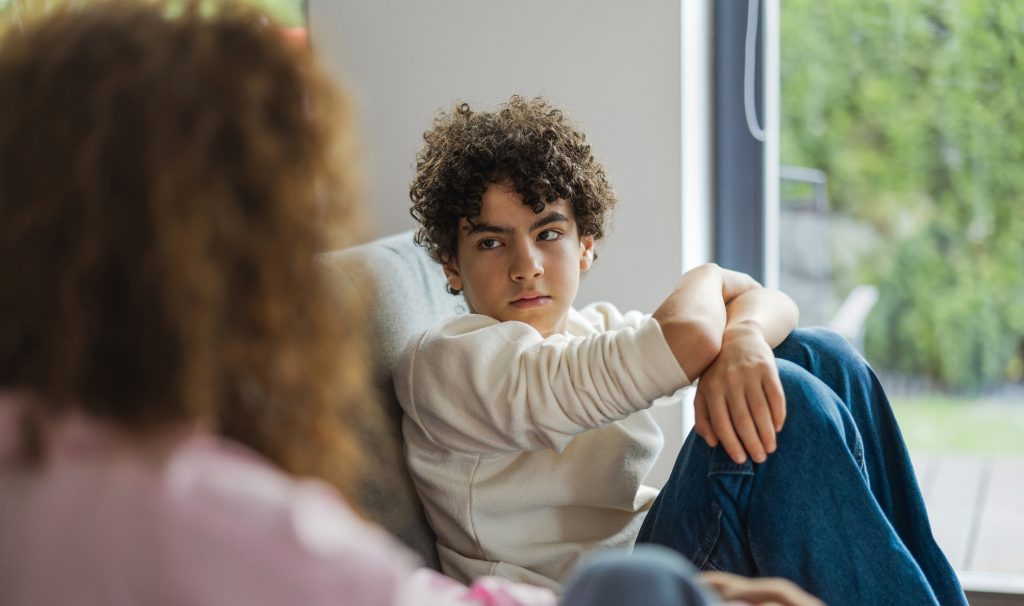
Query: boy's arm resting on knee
x,y
693,317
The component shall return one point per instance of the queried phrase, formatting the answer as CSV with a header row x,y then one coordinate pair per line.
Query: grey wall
x,y
613,66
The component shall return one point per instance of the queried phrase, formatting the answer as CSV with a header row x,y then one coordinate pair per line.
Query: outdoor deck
x,y
976,505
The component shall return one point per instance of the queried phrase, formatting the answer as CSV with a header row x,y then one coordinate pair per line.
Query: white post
x,y
697,89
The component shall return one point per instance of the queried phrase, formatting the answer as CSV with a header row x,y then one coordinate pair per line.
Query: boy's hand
x,y
739,401
760,592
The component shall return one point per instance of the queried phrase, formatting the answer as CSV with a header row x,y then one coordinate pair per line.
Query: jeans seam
x,y
703,556
753,554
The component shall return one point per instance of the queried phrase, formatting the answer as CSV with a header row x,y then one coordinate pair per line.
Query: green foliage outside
x,y
285,12
913,110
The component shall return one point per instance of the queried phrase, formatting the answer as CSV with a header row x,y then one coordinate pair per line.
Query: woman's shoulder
x,y
191,517
212,479
299,531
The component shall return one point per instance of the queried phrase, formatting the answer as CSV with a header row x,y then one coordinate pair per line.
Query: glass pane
x,y
903,228
901,212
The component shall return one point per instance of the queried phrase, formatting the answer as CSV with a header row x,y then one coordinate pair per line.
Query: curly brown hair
x,y
166,177
525,142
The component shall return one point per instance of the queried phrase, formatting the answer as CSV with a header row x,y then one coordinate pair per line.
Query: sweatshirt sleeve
x,y
477,385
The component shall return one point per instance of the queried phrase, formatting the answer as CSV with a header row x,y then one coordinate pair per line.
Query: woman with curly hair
x,y
170,363
164,183
527,430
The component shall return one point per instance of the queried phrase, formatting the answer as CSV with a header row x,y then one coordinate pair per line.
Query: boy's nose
x,y
527,266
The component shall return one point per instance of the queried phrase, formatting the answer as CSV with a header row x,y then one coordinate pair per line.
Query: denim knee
x,y
814,413
807,397
822,342
825,354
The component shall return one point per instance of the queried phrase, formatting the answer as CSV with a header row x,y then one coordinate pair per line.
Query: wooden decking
x,y
976,505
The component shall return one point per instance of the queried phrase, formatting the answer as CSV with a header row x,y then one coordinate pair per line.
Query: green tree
x,y
912,109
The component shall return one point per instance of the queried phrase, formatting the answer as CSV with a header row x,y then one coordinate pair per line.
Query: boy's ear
x,y
586,252
451,271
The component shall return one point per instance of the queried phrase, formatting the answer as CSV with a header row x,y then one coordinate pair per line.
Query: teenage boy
x,y
526,425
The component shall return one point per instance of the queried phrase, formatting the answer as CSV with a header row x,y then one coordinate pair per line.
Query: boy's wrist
x,y
742,329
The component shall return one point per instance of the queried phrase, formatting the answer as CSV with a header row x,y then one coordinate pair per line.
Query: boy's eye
x,y
488,243
548,235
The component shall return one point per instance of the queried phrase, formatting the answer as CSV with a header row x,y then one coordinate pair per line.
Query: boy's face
x,y
513,264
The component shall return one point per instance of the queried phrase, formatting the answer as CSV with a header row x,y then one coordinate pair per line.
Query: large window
x,y
868,153
902,214
901,201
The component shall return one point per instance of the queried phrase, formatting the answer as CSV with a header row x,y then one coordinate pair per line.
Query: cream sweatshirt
x,y
528,453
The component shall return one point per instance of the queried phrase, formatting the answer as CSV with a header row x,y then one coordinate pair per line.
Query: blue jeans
x,y
836,509
651,576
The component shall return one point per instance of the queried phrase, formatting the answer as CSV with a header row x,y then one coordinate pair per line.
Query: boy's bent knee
x,y
820,338
821,341
808,400
822,351
815,417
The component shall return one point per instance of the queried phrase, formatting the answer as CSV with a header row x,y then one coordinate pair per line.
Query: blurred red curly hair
x,y
166,176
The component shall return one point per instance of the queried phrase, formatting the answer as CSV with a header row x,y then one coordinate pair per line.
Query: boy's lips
x,y
531,300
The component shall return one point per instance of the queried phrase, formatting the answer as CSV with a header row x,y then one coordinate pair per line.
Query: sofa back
x,y
408,295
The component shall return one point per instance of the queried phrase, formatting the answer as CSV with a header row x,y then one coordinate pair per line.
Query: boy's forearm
x,y
735,283
693,318
769,312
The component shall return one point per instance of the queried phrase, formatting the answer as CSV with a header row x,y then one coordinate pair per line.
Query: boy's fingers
x,y
721,422
762,416
776,399
739,410
701,420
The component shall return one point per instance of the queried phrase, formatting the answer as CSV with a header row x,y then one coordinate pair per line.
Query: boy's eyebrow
x,y
479,226
552,217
